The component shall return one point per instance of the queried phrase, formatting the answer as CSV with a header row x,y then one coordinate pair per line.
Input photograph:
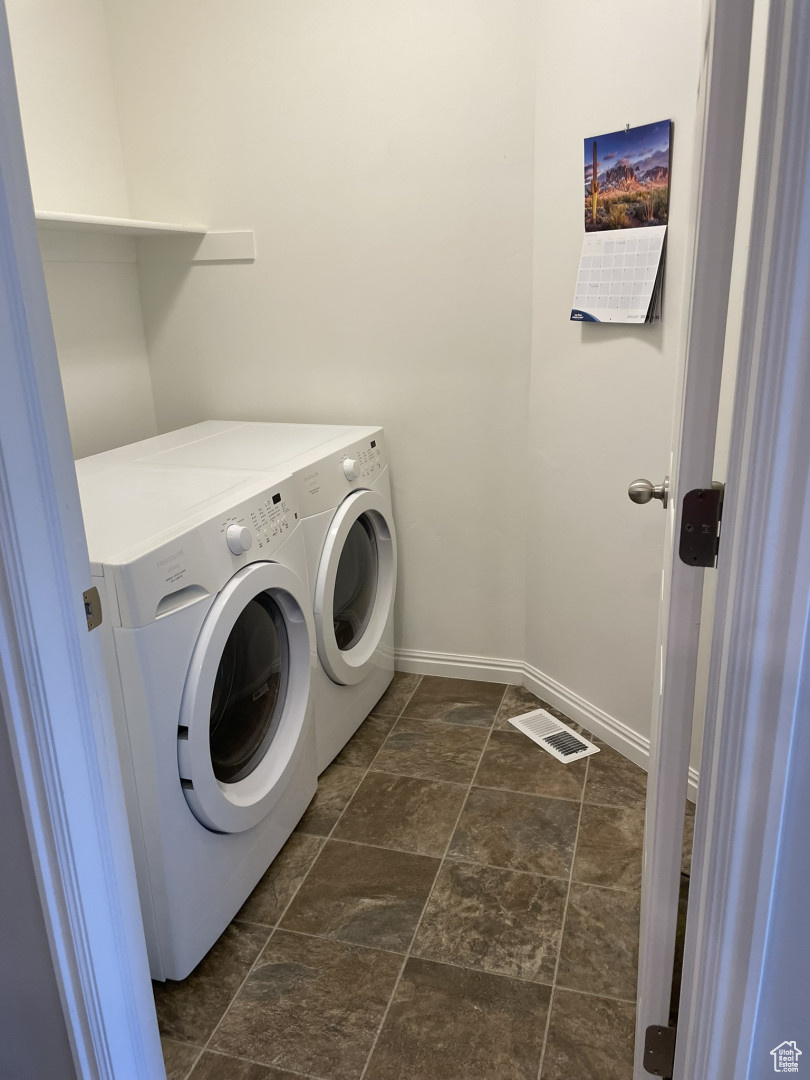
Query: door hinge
x,y
659,1050
92,608
701,515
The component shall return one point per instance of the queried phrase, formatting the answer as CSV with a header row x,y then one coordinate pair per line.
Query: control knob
x,y
350,469
239,539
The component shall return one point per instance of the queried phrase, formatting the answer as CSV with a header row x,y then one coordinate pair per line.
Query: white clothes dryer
x,y
345,501
209,645
343,489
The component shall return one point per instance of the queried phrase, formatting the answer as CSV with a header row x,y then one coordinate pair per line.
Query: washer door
x,y
354,589
245,700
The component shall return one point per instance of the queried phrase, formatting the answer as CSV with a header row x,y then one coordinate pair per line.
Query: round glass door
x,y
354,589
244,718
355,584
249,690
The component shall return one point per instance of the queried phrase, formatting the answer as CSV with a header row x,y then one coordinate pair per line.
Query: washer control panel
x,y
263,522
239,539
247,525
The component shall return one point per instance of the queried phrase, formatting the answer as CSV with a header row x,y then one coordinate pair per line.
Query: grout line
x,y
412,776
640,808
340,941
592,994
429,896
289,902
562,927
381,847
459,859
253,1061
367,770
194,1063
227,1008
531,794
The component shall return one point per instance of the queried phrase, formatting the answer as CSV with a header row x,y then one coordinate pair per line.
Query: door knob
x,y
641,491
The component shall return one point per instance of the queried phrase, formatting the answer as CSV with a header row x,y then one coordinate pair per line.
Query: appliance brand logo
x,y
170,558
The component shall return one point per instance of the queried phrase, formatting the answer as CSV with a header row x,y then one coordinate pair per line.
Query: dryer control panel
x,y
360,464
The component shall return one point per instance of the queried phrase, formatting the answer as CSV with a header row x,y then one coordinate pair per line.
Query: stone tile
x,y
505,922
599,951
178,1058
268,900
513,762
190,1010
610,847
396,696
446,1023
613,780
336,785
589,1037
311,1006
402,812
434,751
516,831
456,701
518,700
688,838
363,895
362,748
221,1067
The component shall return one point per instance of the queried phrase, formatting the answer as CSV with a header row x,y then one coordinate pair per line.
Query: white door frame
x,y
51,675
763,598
721,126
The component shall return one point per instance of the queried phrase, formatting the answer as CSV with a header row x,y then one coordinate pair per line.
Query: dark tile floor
x,y
455,905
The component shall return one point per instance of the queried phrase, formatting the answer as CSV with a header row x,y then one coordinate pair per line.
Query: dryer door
x,y
244,708
354,589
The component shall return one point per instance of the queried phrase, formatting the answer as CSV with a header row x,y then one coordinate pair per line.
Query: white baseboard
x,y
456,666
614,732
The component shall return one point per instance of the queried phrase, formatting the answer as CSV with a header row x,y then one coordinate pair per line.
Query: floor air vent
x,y
560,741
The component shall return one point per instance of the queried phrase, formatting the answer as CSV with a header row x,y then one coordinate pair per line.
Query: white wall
x,y
70,123
62,67
96,312
383,154
602,396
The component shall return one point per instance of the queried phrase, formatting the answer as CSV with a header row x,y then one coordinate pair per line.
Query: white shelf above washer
x,y
54,219
158,241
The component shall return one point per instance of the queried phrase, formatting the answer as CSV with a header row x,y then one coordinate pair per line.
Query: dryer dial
x,y
239,539
350,469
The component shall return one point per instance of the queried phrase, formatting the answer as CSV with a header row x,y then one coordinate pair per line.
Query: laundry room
x,y
366,218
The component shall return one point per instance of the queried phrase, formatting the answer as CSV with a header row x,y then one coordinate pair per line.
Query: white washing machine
x,y
343,489
209,644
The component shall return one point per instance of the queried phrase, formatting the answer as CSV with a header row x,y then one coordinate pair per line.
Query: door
x,y
245,701
723,102
57,715
354,589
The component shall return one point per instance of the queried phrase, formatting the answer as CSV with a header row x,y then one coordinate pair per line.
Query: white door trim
x,y
761,618
721,116
51,675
